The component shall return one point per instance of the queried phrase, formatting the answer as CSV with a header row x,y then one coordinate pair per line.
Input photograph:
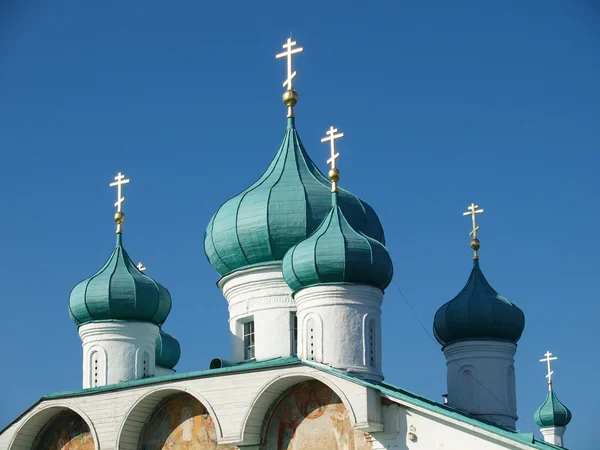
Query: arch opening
x,y
310,415
180,422
65,430
176,413
56,426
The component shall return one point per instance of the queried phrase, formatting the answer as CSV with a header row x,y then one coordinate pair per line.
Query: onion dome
x,y
552,413
168,350
119,291
478,312
335,254
281,209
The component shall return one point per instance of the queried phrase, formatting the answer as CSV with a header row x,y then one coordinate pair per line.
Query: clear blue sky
x,y
442,103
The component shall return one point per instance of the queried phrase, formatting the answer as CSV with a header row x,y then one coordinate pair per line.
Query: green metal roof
x,y
119,291
552,413
168,350
336,253
282,208
384,388
478,312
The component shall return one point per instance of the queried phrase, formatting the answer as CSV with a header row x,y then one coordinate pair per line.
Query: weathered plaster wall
x,y
310,416
180,422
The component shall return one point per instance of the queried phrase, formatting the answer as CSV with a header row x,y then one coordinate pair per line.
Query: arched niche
x,y
56,426
310,415
170,419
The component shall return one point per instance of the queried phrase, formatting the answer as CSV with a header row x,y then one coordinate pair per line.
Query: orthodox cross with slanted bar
x,y
547,359
333,173
473,211
120,181
288,54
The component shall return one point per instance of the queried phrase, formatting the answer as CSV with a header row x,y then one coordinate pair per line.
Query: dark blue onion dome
x,y
119,291
168,350
552,413
282,208
478,312
337,254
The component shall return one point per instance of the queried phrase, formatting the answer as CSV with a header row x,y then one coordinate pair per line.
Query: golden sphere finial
x,y
475,245
290,97
334,175
119,217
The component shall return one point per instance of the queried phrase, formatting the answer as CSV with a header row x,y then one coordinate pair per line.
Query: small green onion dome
x,y
478,312
552,413
282,208
336,253
168,350
119,291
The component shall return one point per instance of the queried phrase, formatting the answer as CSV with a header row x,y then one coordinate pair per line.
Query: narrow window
x,y
249,340
145,365
311,339
94,361
372,343
294,328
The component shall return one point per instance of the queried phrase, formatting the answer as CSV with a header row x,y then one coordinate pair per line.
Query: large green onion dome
x,y
282,208
336,253
119,291
168,350
552,413
478,312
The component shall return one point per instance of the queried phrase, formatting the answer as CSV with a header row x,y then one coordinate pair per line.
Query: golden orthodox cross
x,y
288,54
141,267
547,359
120,181
331,138
473,211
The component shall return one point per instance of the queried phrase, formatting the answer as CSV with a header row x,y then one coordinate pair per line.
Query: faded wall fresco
x,y
66,431
310,416
180,422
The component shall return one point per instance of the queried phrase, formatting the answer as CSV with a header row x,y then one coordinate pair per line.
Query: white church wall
x,y
237,402
260,294
114,352
160,371
481,379
410,428
340,325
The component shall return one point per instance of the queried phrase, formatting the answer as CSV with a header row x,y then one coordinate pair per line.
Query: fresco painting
x,y
66,431
180,422
310,416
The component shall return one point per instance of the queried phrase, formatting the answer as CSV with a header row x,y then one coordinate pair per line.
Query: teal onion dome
x,y
552,413
119,291
478,312
282,208
168,350
336,254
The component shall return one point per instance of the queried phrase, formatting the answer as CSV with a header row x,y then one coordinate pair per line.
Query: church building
x,y
304,269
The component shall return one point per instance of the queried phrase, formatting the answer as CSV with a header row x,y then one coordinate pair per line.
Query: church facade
x,y
304,269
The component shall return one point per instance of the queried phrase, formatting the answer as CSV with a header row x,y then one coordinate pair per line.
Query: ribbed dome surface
x,y
336,253
119,291
287,203
168,350
552,413
478,312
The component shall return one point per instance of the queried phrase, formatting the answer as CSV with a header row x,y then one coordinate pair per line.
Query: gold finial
x,y
334,173
550,372
473,211
119,215
141,267
290,97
